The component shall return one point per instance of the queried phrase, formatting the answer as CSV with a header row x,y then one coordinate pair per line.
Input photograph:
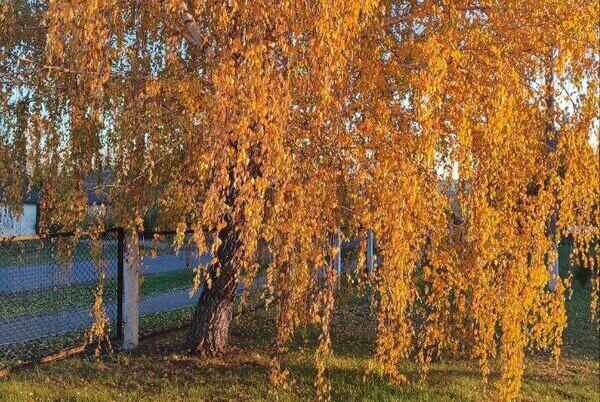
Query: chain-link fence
x,y
47,288
167,273
48,285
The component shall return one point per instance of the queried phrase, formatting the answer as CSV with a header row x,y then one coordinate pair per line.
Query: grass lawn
x,y
24,253
161,371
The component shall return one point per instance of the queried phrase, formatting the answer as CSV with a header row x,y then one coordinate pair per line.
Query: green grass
x,y
50,300
153,323
161,283
162,371
23,253
582,337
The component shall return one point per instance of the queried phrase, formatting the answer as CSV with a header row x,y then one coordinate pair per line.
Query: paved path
x,y
29,328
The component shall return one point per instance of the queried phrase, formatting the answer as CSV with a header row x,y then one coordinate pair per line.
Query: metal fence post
x,y
131,292
338,257
120,279
554,269
370,251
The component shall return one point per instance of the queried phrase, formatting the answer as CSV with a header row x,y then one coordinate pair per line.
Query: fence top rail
x,y
144,234
52,235
20,238
149,233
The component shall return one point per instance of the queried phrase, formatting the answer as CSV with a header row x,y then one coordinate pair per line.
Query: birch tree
x,y
282,121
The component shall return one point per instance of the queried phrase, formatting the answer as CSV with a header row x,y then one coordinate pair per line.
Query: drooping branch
x,y
192,30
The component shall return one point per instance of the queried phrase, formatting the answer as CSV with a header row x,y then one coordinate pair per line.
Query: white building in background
x,y
23,225
27,223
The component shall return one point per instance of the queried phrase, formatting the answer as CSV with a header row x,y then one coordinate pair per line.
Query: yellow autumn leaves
x,y
424,121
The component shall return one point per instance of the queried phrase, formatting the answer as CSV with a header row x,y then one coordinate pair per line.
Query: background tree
x,y
283,121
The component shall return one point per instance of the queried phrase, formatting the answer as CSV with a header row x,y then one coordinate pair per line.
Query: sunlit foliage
x,y
458,131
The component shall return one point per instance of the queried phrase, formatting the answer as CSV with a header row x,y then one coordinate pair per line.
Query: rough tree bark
x,y
209,332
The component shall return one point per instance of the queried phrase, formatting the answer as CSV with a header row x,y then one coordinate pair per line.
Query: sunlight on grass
x,y
162,371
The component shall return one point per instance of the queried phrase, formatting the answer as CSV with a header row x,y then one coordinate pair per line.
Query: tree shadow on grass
x,y
163,367
247,366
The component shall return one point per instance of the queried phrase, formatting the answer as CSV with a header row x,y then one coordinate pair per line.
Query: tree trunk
x,y
551,145
209,332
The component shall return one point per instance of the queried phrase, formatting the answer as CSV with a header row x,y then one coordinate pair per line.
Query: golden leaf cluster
x,y
460,132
